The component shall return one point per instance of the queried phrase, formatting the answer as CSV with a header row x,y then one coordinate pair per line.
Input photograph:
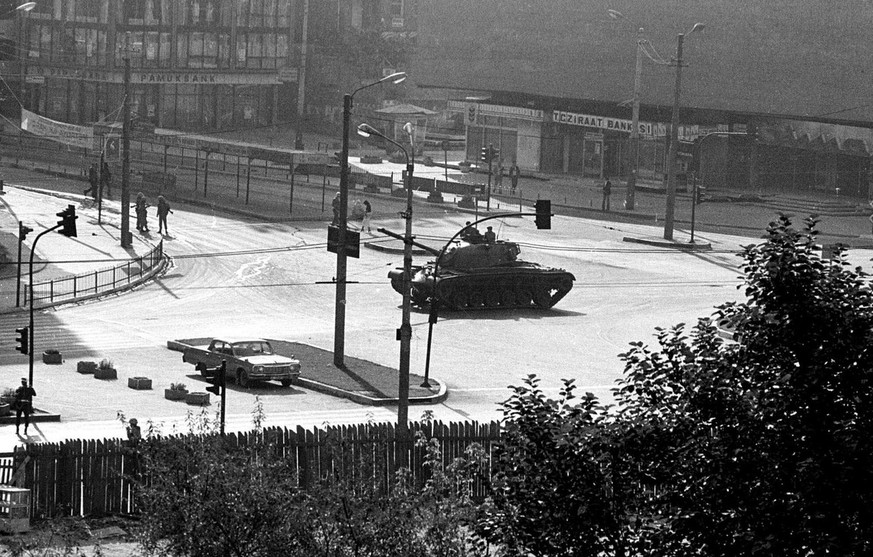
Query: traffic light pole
x,y
22,234
30,301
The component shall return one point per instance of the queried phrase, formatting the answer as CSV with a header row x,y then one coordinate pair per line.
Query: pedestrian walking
x,y
498,176
336,209
490,236
93,180
607,191
105,180
368,210
514,173
141,207
163,210
23,404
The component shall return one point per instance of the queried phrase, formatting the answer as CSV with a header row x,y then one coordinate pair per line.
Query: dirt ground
x,y
106,537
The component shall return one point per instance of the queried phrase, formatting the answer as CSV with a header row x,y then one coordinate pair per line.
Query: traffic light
x,y
493,154
700,195
483,155
23,340
23,231
67,221
544,214
218,379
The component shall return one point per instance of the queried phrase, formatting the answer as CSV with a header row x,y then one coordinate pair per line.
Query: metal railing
x,y
87,285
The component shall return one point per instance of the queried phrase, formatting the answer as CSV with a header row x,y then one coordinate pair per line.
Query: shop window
x,y
152,48
195,50
282,9
210,50
164,50
182,50
133,11
88,10
167,106
223,50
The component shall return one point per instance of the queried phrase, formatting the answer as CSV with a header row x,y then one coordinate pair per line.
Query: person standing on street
x,y
23,404
498,176
141,208
93,180
336,209
105,180
514,173
163,211
368,210
490,236
607,191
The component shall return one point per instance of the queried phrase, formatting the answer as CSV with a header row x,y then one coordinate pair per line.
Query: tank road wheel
x,y
242,378
492,298
477,299
543,297
507,298
523,297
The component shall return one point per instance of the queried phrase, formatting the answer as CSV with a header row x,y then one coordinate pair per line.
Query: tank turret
x,y
485,276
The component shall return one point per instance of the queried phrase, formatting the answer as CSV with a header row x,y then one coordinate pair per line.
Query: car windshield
x,y
255,348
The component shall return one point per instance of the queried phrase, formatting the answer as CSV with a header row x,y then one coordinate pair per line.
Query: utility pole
x,y
674,145
125,160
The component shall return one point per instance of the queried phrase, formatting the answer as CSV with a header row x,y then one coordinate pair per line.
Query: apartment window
x,y
395,8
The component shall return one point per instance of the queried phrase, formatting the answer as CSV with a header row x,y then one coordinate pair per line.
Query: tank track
x,y
513,288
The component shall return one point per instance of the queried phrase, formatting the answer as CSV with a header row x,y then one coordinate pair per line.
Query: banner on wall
x,y
68,134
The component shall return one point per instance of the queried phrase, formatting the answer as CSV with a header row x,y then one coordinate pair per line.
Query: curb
x,y
669,244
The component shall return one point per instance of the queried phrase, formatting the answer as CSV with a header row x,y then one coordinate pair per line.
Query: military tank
x,y
485,276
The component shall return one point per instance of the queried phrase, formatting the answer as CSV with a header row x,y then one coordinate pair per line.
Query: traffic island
x,y
360,381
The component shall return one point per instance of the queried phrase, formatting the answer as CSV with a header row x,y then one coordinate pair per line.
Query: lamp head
x,y
26,7
697,27
395,78
407,127
366,130
615,14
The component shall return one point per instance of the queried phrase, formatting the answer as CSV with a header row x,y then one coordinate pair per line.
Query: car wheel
x,y
201,367
286,382
242,378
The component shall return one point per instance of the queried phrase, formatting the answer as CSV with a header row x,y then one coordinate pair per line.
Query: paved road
x,y
232,275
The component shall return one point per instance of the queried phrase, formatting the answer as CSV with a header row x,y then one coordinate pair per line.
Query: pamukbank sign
x,y
601,122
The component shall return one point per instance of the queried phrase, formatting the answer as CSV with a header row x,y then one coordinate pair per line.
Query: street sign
x,y
353,241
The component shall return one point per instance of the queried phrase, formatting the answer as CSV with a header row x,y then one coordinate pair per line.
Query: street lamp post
x,y
670,208
405,331
630,195
341,258
23,49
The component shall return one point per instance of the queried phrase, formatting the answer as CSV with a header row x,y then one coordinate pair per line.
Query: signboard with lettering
x,y
68,134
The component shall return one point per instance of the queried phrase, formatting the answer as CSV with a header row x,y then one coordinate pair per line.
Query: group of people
x,y
514,173
471,235
141,208
367,212
99,180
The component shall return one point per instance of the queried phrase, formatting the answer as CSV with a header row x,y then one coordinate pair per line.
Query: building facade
x,y
195,65
763,154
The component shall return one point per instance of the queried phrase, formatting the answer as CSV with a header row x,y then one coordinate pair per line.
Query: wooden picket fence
x,y
96,477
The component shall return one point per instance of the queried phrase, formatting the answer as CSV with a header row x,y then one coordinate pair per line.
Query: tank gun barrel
x,y
402,238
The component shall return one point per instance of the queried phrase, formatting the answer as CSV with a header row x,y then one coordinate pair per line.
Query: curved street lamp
x,y
670,208
405,331
341,258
